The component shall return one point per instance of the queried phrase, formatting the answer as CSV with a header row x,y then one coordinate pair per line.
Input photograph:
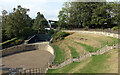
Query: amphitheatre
x,y
45,55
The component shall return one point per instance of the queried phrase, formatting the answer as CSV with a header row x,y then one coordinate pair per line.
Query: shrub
x,y
51,31
115,28
59,36
59,28
18,41
63,28
86,28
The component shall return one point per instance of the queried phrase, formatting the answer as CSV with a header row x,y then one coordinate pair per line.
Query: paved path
x,y
30,59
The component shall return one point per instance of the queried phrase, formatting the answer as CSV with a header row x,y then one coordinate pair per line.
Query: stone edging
x,y
96,32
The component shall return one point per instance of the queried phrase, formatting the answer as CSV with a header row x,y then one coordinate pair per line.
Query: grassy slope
x,y
59,54
87,47
73,52
96,64
62,47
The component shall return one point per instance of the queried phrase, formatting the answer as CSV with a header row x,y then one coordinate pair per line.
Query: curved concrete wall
x,y
50,49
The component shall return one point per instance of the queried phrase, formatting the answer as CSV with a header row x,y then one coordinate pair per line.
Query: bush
x,y
59,36
51,31
115,28
42,31
18,41
86,28
59,28
63,28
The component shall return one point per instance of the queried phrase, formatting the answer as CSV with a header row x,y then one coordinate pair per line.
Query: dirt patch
x,y
85,39
112,62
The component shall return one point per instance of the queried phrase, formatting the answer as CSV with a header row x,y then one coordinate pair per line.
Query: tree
x,y
63,15
18,22
3,23
40,22
89,14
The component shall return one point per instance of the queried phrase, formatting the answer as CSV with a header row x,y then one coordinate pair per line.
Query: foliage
x,y
51,31
91,14
86,28
59,36
58,28
40,22
8,41
115,28
12,42
16,24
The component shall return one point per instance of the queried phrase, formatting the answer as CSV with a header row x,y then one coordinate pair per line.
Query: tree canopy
x,y
40,22
18,23
89,14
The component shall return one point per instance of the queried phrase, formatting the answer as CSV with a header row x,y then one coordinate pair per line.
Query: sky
x,y
49,8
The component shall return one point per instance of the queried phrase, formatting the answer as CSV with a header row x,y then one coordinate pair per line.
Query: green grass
x,y
110,42
59,55
65,69
95,65
114,41
73,52
13,39
87,47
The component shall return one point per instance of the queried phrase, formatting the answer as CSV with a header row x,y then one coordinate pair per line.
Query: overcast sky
x,y
49,8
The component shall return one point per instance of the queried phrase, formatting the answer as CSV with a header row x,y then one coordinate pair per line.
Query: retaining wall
x,y
18,48
96,32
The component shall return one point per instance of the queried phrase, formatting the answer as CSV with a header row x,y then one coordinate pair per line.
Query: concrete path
x,y
30,59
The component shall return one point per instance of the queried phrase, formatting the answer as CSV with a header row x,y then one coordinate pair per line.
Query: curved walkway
x,y
31,59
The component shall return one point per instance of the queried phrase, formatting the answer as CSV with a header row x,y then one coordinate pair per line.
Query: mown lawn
x,y
59,54
61,48
73,52
96,64
87,47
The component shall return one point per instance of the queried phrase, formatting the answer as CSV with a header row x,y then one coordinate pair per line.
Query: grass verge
x,y
59,54
96,65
